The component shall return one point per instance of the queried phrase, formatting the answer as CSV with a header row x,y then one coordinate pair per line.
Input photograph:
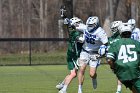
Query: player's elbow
x,y
110,62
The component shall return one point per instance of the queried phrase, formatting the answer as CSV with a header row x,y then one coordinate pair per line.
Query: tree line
x,y
41,19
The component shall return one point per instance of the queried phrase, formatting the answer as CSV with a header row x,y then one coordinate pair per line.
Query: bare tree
x,y
0,18
29,18
123,10
138,2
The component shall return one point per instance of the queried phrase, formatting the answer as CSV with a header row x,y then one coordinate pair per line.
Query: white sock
x,y
80,88
119,88
64,88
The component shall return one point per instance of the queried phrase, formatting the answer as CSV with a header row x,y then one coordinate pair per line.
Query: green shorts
x,y
70,62
135,83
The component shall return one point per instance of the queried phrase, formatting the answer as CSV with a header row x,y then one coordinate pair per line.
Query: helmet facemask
x,y
90,27
115,26
92,23
75,21
76,24
132,22
133,26
114,30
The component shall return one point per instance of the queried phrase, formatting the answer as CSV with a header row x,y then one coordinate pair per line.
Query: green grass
x,y
56,57
43,79
50,58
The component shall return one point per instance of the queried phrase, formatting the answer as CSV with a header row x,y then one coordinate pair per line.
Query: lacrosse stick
x,y
62,12
75,64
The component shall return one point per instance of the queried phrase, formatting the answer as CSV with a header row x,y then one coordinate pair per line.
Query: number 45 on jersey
x,y
127,53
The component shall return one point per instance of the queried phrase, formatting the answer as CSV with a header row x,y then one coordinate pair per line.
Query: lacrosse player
x,y
73,52
116,35
124,59
94,36
135,31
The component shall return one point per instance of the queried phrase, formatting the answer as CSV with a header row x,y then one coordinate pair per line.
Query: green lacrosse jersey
x,y
114,37
74,47
126,55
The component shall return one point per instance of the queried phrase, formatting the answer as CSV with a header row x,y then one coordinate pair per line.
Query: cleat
x,y
79,91
59,86
61,91
95,83
118,92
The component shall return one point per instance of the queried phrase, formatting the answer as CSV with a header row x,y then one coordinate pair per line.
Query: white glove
x,y
81,39
102,50
66,21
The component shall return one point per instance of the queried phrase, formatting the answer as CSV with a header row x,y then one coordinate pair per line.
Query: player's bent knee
x,y
73,74
92,74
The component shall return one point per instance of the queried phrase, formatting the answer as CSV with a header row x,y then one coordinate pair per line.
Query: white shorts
x,y
88,59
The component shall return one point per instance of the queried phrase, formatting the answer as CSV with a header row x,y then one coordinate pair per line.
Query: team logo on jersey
x,y
90,38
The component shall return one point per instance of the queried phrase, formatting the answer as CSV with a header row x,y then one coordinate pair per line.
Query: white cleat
x,y
61,91
79,91
94,83
118,92
59,86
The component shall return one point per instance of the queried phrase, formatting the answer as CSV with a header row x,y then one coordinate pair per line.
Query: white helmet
x,y
74,21
115,26
92,22
125,27
132,22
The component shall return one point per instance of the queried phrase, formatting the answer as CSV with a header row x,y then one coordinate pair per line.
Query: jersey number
x,y
134,36
90,40
126,54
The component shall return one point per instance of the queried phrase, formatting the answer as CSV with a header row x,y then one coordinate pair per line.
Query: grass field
x,y
43,79
49,58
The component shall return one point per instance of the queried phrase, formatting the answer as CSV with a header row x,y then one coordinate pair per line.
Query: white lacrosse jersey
x,y
94,40
136,34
